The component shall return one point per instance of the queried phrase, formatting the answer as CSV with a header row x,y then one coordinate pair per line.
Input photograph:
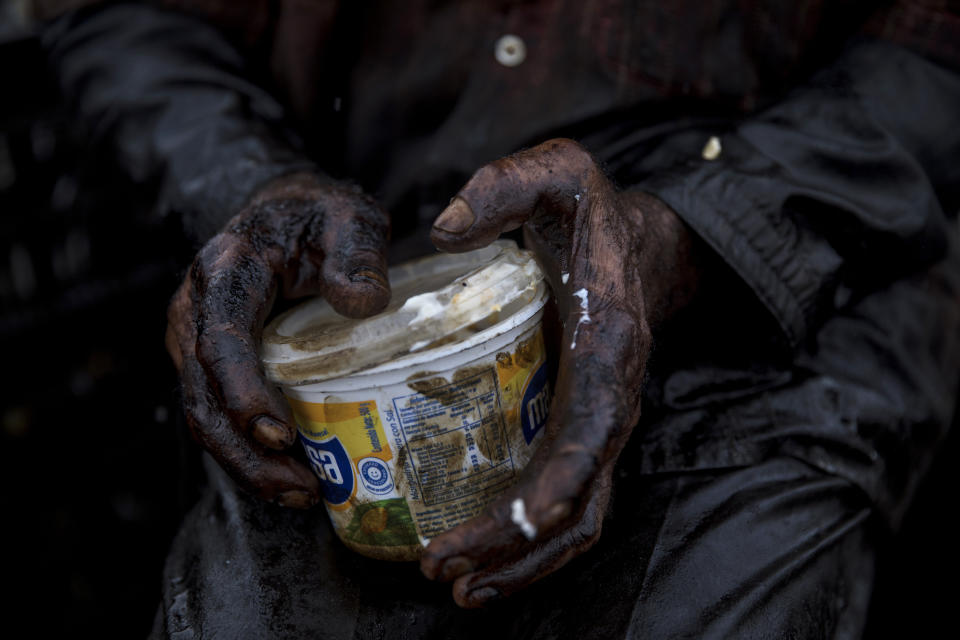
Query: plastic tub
x,y
416,419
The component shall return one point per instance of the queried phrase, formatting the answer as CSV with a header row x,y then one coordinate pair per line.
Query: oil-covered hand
x,y
298,236
619,263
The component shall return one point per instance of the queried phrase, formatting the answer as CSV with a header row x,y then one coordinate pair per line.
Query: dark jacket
x,y
834,195
809,388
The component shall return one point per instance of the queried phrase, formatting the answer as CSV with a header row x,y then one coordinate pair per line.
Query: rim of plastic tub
x,y
441,304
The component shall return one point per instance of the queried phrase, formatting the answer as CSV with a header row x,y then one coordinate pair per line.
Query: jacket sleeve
x,y
847,183
175,99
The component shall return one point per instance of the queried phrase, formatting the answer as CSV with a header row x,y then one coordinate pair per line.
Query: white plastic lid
x,y
437,302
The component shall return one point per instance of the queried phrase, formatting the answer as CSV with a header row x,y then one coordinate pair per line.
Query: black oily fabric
x,y
174,102
836,210
746,505
774,550
809,389
869,398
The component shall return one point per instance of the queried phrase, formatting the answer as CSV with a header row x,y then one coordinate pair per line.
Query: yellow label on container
x,y
523,373
357,424
346,447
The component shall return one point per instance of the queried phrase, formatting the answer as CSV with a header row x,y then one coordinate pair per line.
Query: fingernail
x,y
484,595
296,499
456,218
455,567
369,274
271,433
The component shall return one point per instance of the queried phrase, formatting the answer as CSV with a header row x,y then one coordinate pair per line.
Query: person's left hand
x,y
300,234
618,262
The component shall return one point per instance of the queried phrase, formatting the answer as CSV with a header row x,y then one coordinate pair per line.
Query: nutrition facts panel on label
x,y
455,438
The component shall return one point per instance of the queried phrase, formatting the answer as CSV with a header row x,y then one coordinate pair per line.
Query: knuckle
x,y
570,153
430,563
588,531
209,253
226,355
254,472
348,203
173,344
201,419
256,475
583,534
489,174
566,147
208,345
180,308
583,539
220,258
563,145
197,276
369,213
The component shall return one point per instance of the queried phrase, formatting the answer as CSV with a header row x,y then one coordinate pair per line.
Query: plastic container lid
x,y
439,303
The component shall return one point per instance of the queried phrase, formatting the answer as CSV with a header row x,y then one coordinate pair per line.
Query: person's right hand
x,y
299,236
619,264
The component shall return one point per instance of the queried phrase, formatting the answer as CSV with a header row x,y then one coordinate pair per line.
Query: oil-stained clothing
x,y
784,413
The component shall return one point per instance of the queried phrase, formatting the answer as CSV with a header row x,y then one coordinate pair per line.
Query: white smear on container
x,y
584,296
576,197
564,277
425,305
518,513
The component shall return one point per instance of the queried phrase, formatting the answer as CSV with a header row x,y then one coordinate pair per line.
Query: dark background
x,y
96,469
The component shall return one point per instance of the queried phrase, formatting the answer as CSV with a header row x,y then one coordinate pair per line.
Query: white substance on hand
x,y
564,277
424,305
584,296
518,513
711,150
